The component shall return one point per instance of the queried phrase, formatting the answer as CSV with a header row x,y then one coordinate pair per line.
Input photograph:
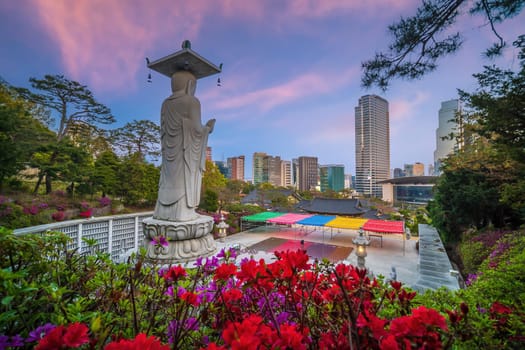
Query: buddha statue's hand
x,y
210,124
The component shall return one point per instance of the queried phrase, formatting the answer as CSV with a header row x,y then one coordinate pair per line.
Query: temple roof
x,y
332,206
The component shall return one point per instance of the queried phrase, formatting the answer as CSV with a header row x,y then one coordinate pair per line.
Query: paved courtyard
x,y
428,268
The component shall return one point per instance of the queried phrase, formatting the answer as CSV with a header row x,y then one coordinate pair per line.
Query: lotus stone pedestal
x,y
186,240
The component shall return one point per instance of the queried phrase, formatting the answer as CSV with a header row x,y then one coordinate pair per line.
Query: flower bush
x,y
56,298
104,201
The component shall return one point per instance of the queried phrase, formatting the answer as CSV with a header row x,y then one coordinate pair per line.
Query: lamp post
x,y
222,226
361,242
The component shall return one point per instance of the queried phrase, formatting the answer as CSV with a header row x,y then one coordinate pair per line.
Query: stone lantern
x,y
222,226
361,242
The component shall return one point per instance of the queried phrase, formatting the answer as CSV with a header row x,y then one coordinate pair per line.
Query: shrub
x,y
58,216
222,303
476,247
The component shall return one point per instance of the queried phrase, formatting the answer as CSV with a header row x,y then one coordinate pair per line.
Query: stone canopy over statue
x,y
177,233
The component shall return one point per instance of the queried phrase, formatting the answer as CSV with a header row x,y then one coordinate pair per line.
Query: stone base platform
x,y
186,240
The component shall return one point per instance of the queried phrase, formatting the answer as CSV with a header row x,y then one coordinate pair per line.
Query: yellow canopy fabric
x,y
348,223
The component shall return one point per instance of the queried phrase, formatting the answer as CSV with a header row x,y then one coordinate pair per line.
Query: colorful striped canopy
x,y
288,219
349,223
380,226
262,217
316,220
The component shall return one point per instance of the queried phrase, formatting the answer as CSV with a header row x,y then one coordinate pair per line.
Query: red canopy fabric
x,y
383,226
288,219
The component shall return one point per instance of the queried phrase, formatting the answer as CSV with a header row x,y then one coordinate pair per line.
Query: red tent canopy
x,y
383,226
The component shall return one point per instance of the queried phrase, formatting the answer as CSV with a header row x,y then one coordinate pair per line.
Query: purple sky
x,y
291,69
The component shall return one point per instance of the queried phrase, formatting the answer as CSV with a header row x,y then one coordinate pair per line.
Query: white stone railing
x,y
116,235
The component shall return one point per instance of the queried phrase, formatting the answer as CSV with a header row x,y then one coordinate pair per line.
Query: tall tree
x,y
138,181
497,110
484,182
213,183
75,106
138,136
20,132
105,174
421,40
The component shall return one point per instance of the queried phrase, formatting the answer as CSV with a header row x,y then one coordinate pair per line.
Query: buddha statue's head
x,y
183,81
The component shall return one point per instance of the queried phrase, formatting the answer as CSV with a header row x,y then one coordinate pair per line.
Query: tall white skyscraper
x,y
286,173
372,144
446,132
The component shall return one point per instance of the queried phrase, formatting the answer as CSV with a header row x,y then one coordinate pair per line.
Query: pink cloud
x,y
299,87
105,42
403,109
309,8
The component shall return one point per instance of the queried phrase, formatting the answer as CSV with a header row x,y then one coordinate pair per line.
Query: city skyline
x,y
291,70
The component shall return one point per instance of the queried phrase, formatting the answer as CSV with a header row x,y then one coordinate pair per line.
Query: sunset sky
x,y
291,69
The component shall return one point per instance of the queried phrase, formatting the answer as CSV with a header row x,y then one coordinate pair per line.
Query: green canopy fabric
x,y
261,217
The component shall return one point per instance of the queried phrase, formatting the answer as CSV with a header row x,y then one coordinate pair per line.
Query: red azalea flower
x,y
76,335
389,343
430,317
225,271
256,274
248,334
499,308
73,336
174,273
190,298
372,322
291,338
232,295
141,342
296,260
396,285
53,340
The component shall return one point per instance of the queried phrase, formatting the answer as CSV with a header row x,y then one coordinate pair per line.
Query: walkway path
x,y
428,268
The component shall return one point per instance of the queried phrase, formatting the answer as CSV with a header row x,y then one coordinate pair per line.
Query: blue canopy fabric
x,y
317,220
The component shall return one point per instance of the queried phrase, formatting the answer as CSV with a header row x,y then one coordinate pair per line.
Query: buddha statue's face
x,y
183,81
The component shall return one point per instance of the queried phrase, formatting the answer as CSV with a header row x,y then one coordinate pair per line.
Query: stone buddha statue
x,y
183,147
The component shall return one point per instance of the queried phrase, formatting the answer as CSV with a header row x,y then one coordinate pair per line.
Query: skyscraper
x,y
332,177
308,173
236,168
266,168
286,173
273,166
372,144
258,168
446,132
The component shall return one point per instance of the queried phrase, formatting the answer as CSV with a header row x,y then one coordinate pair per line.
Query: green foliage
x,y
140,137
137,181
79,115
499,281
243,209
483,183
501,276
20,133
105,174
210,201
212,178
472,255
